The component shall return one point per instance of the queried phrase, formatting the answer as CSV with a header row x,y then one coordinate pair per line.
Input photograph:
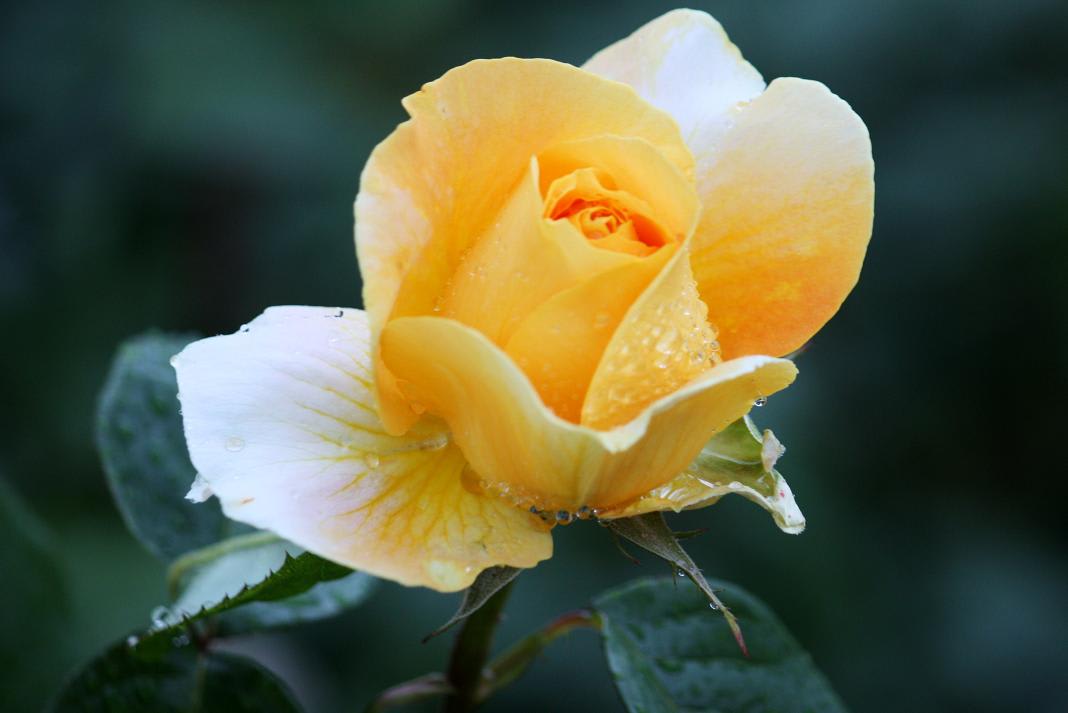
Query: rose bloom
x,y
573,279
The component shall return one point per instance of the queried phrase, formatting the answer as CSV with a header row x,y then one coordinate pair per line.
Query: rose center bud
x,y
611,219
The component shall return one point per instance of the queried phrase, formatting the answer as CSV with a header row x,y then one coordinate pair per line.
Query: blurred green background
x,y
184,165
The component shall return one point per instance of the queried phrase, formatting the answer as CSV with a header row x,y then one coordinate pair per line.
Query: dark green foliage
x,y
181,679
668,652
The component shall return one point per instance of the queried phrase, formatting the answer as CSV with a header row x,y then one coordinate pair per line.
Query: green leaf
x,y
255,581
668,652
489,582
141,443
175,680
650,532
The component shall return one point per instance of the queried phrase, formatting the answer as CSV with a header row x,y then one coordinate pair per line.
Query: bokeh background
x,y
183,165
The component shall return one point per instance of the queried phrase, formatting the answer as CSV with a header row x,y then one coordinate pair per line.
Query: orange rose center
x,y
609,218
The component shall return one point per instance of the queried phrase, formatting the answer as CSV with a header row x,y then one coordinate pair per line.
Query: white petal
x,y
199,491
281,425
683,63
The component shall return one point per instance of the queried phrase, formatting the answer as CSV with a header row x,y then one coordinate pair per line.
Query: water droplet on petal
x,y
235,444
760,401
159,617
371,460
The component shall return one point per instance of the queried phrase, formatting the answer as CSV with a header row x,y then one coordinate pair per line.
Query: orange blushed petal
x,y
787,218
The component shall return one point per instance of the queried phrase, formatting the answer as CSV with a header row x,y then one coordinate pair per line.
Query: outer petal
x,y
683,62
785,180
738,460
432,188
282,427
522,449
787,218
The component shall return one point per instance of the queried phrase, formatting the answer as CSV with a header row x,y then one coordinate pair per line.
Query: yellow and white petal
x,y
282,427
741,460
520,448
437,183
684,63
787,217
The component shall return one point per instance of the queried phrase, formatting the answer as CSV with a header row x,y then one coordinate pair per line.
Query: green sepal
x,y
489,582
739,459
651,532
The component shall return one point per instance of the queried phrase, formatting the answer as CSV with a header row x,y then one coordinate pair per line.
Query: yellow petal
x,y
281,426
520,448
516,266
559,345
663,342
636,167
435,185
787,218
560,341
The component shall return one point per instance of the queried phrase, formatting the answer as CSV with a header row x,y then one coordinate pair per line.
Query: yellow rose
x,y
573,279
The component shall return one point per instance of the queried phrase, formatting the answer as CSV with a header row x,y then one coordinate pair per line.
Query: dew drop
x,y
243,328
601,320
712,606
235,444
563,517
159,617
371,460
131,641
666,343
760,401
